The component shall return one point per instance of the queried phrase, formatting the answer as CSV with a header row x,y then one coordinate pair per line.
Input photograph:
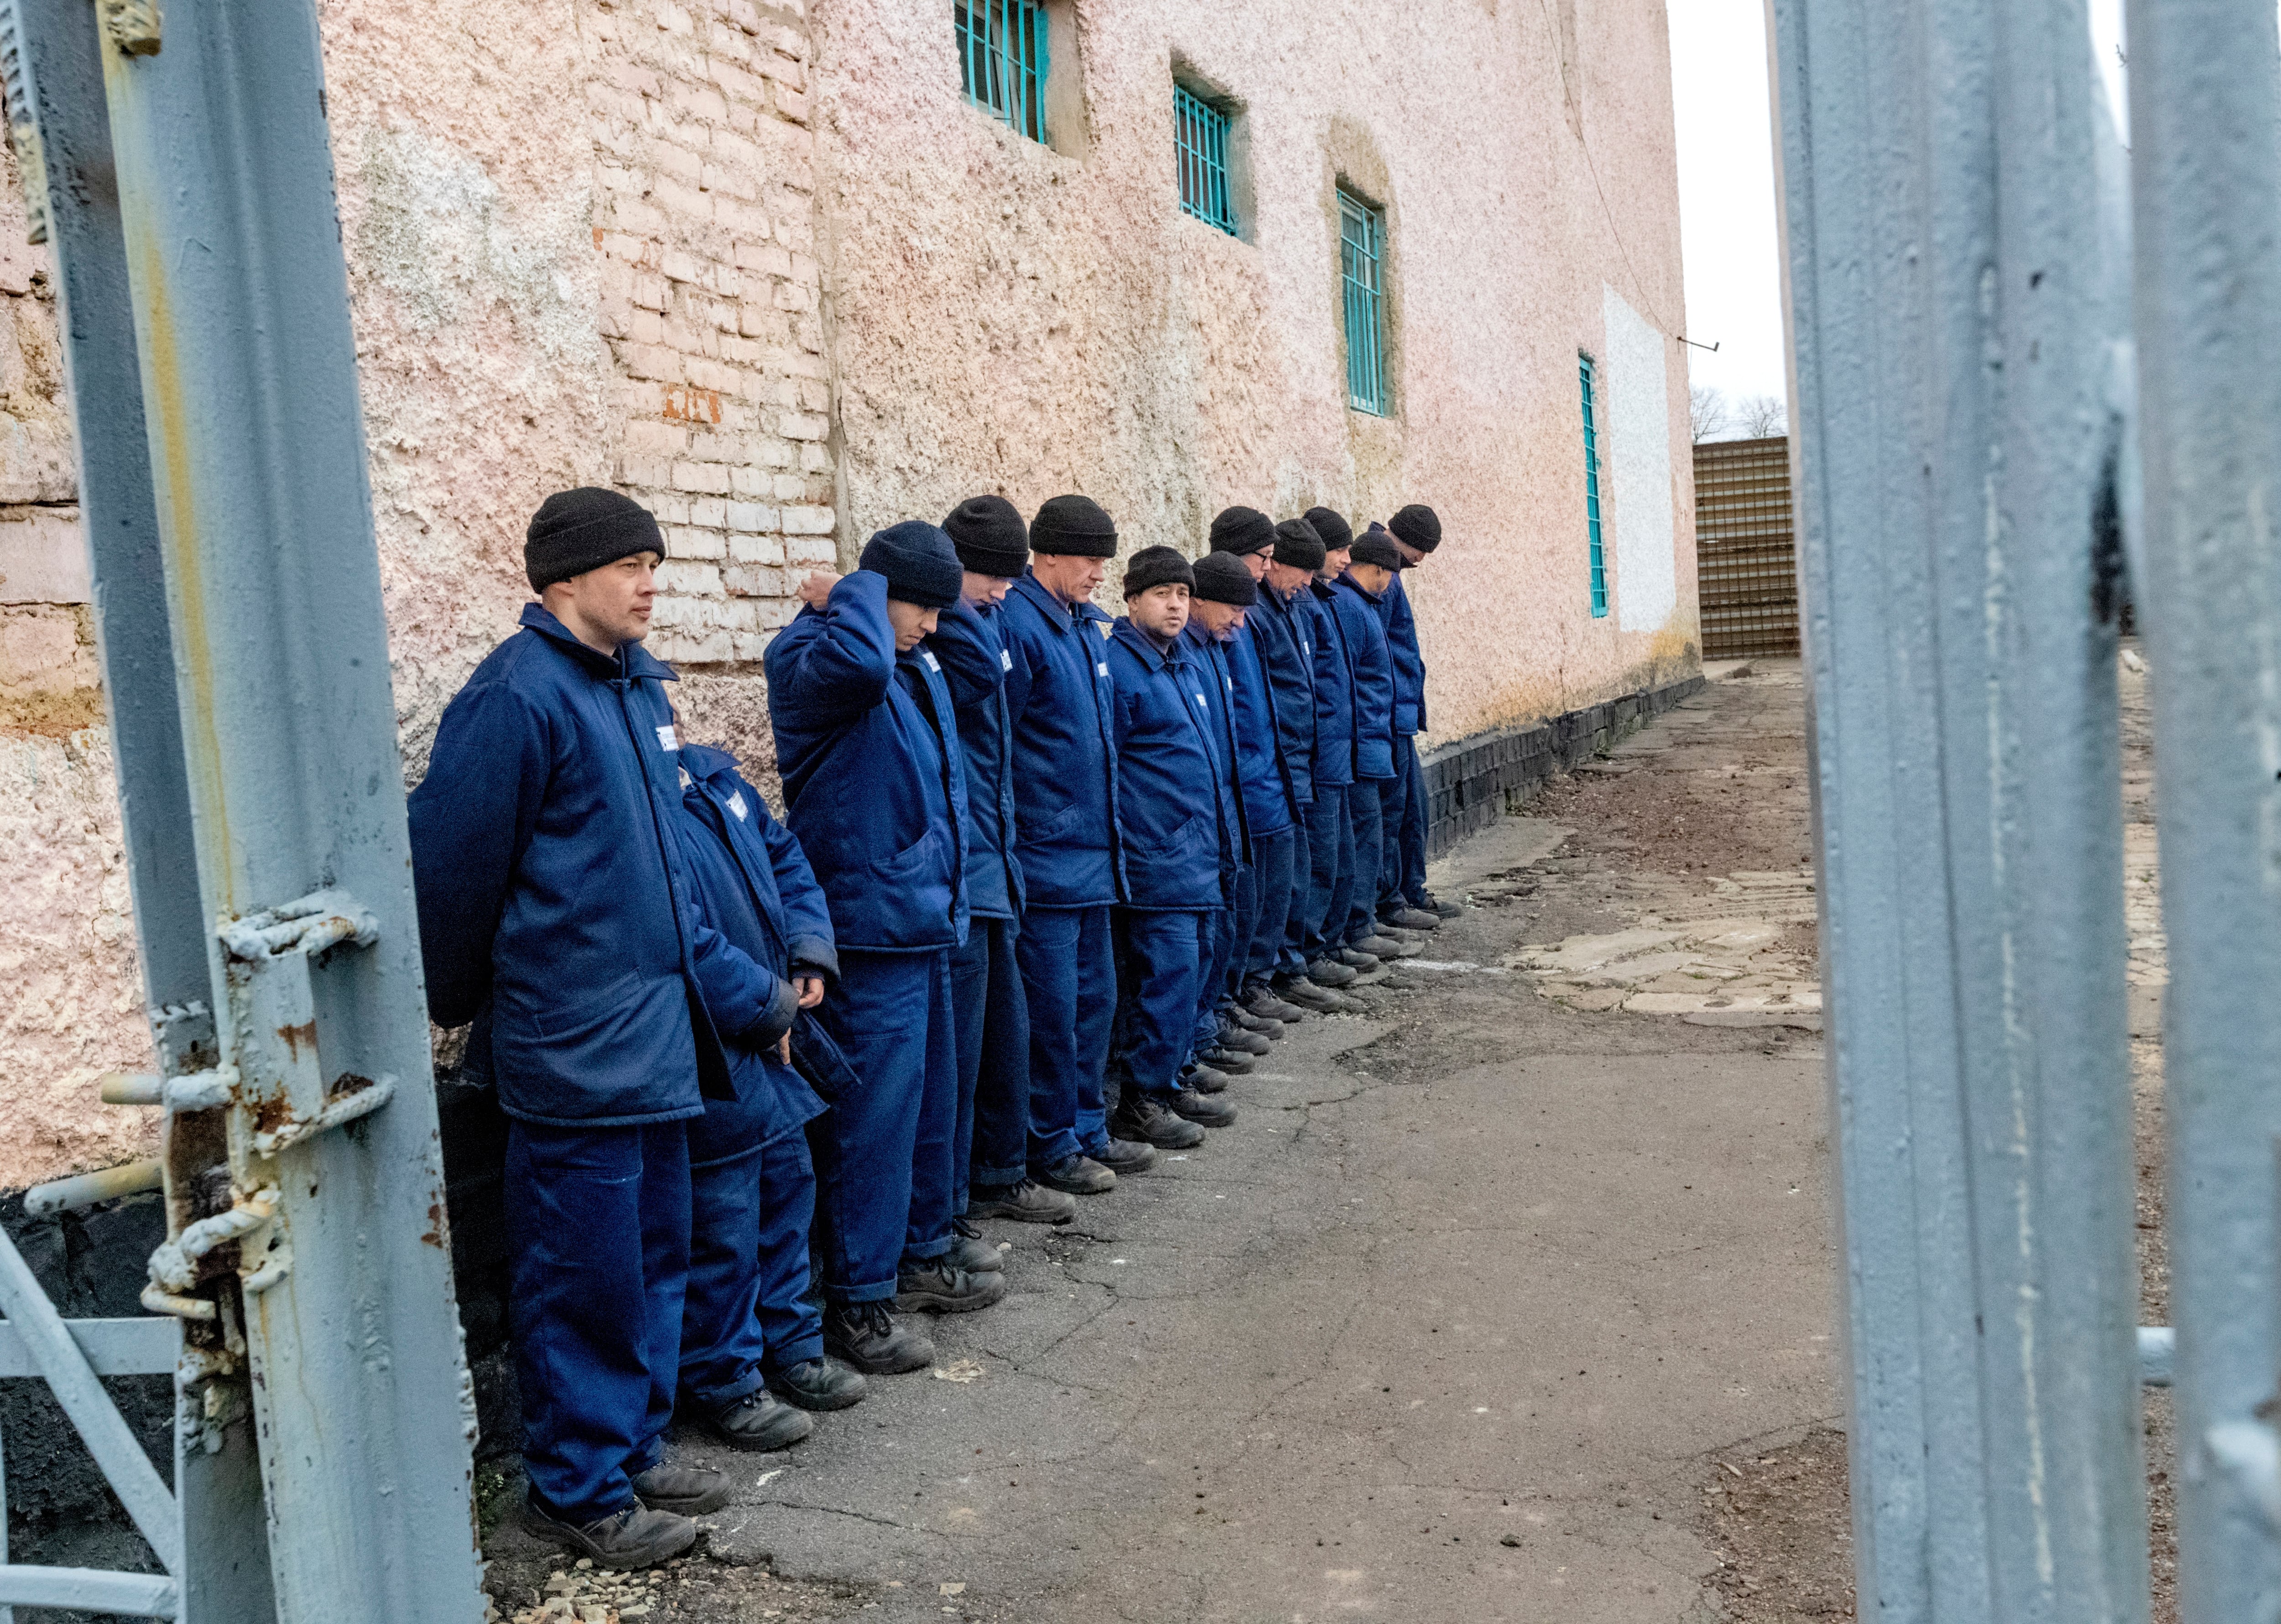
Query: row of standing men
x,y
1047,880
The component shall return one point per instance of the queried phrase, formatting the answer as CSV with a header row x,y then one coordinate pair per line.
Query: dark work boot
x,y
1078,1175
634,1537
1026,1203
1385,947
1204,1079
1150,1119
1408,919
1305,992
685,1491
1329,972
819,1384
1125,1157
1223,1060
865,1336
1266,1027
1427,902
1197,1106
1239,1040
970,1252
1355,959
937,1287
1268,1003
760,1421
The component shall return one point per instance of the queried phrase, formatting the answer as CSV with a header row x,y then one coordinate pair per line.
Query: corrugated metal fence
x,y
1745,553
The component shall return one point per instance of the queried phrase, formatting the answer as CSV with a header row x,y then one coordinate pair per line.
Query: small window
x,y
1003,60
1199,137
1585,372
1362,276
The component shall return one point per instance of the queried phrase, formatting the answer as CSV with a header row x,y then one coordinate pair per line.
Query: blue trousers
x,y
1217,947
1330,854
993,1145
1291,949
883,1154
1069,974
1403,883
1366,825
598,1232
1270,895
752,1200
1160,958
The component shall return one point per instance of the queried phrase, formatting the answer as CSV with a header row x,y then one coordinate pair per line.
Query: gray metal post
x,y
2204,101
56,104
1948,287
331,1242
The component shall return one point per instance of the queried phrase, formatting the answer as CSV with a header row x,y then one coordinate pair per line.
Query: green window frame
x,y
1588,375
1362,282
1200,142
1003,60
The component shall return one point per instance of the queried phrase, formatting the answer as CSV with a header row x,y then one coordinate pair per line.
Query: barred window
x,y
1001,60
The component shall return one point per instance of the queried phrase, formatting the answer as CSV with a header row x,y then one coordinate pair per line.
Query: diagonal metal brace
x,y
80,1391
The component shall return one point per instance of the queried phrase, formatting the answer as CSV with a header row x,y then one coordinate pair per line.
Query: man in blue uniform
x,y
1330,821
748,1323
1285,631
1248,537
1416,531
1355,599
876,789
554,904
991,1155
1177,826
1065,828
1223,591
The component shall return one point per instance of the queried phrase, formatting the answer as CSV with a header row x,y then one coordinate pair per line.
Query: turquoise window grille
x,y
1362,277
1200,139
1600,558
1001,60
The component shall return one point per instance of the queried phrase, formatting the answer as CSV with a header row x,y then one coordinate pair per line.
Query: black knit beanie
x,y
1297,546
1221,577
989,535
1243,531
1334,530
1417,525
575,532
918,562
1375,547
1073,527
1157,567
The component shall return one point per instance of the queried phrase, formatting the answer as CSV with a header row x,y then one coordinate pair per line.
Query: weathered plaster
x,y
767,272
1007,317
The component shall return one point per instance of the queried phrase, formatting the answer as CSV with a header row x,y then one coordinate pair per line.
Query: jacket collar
x,y
631,660
1367,595
1142,645
1056,612
704,763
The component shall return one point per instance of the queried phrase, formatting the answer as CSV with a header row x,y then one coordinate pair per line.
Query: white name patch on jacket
x,y
1005,658
737,804
932,664
667,739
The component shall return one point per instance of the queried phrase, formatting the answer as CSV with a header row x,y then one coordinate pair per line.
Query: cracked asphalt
x,y
1444,1327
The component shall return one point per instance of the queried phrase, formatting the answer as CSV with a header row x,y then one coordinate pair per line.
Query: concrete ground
x,y
1456,1323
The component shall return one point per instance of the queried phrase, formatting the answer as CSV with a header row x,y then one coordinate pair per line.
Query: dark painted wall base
x,y
1475,781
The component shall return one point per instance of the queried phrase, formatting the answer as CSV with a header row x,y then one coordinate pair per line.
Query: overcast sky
x,y
1727,186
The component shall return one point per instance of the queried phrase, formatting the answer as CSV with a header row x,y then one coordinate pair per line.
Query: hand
x,y
810,989
816,590
783,1048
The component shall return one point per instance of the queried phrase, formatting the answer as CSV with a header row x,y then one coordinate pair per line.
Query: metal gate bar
x,y
195,228
2204,106
1952,301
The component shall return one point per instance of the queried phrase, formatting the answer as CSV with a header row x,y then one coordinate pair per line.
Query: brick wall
x,y
711,303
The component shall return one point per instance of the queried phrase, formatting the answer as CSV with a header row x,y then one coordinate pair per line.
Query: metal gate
x,y
1745,559
1982,368
178,164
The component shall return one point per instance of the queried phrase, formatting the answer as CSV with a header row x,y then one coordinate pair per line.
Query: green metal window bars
x,y
1001,60
1200,139
1587,376
1362,279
